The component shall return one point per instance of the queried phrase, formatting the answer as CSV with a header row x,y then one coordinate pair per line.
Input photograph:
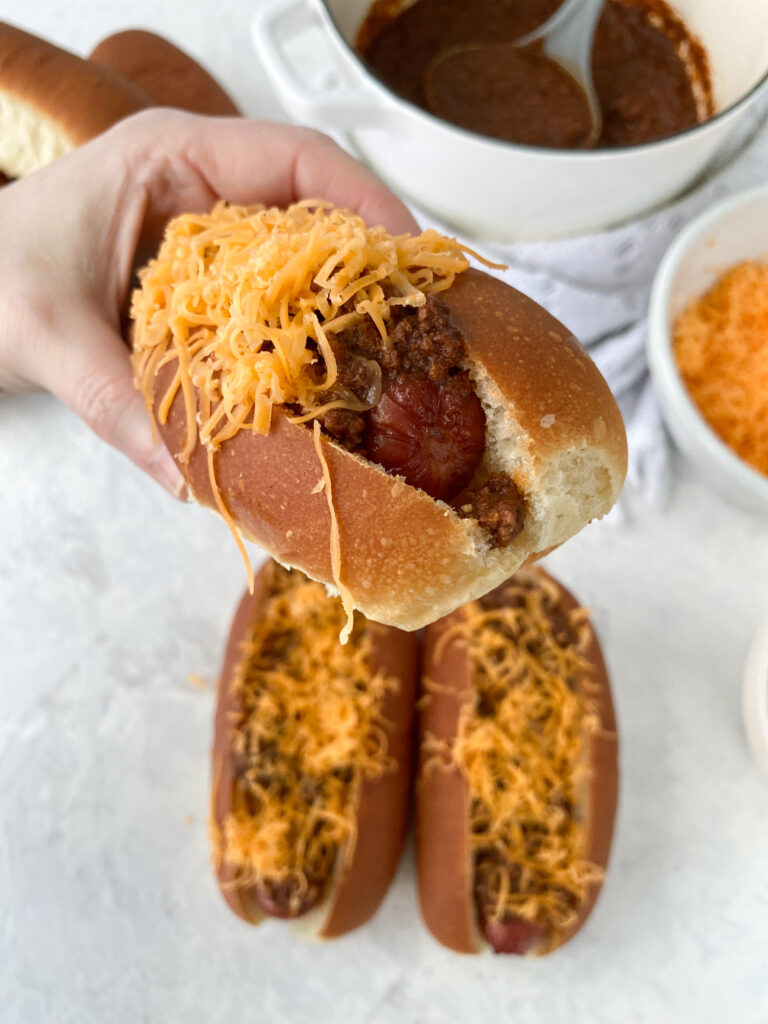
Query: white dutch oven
x,y
500,191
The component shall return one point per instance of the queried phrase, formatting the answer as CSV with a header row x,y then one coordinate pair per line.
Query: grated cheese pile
x,y
522,746
243,301
721,347
308,733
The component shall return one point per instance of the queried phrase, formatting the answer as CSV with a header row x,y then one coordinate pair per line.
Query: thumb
x,y
90,371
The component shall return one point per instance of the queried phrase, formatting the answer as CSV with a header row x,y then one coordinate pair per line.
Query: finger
x,y
248,161
91,373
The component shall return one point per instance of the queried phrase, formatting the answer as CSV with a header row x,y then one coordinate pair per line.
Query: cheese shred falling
x,y
346,597
523,745
243,303
721,347
308,732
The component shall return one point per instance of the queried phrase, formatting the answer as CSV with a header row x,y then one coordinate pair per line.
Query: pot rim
x,y
717,120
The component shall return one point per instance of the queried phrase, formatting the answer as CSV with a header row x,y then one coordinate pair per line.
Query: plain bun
x,y
170,77
52,101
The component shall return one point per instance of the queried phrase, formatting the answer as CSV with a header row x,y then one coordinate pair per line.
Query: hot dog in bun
x,y
311,758
367,407
518,779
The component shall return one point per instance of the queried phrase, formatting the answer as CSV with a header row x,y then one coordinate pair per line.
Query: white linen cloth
x,y
598,285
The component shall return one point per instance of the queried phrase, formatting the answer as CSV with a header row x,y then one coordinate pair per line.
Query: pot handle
x,y
328,94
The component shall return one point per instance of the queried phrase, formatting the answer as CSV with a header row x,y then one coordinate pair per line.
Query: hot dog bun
x,y
445,848
168,75
551,424
52,101
366,862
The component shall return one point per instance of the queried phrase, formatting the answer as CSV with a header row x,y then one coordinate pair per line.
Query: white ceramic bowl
x,y
492,190
729,232
755,699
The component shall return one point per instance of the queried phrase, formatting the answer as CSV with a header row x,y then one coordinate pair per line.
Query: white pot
x,y
729,232
500,191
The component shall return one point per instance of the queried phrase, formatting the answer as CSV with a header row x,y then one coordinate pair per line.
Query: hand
x,y
72,234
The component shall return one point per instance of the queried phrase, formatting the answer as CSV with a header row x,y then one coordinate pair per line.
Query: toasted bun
x,y
407,559
168,75
443,847
381,805
52,101
443,843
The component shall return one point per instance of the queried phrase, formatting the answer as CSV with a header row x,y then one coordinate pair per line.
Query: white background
x,y
111,595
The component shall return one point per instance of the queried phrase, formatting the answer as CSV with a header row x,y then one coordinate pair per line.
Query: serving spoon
x,y
566,39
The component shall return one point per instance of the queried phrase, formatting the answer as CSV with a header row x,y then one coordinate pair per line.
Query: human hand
x,y
73,232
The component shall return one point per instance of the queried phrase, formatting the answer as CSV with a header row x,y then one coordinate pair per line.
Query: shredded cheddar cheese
x,y
309,731
346,597
244,302
721,347
522,746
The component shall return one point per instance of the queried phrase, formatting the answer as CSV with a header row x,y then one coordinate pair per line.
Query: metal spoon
x,y
567,38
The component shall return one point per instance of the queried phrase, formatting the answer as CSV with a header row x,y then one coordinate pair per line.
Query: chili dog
x,y
518,778
170,77
311,758
52,101
368,408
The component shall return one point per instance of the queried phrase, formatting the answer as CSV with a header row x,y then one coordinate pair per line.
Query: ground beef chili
x,y
510,934
497,505
519,936
454,59
263,768
426,423
506,596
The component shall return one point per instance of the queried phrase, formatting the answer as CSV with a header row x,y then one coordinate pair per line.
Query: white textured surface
x,y
111,595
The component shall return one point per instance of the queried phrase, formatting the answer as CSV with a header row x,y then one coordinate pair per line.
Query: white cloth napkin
x,y
598,286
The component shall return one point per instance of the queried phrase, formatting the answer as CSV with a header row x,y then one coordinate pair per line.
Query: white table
x,y
111,595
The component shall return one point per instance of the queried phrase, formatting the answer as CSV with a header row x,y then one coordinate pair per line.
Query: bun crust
x,y
381,805
604,784
558,397
443,847
248,611
52,101
407,559
169,76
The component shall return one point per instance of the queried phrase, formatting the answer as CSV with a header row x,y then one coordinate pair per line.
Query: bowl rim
x,y
722,117
755,698
662,364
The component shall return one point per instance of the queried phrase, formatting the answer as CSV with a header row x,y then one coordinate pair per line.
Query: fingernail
x,y
167,473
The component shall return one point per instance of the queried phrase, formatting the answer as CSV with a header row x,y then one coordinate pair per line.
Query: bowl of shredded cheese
x,y
708,345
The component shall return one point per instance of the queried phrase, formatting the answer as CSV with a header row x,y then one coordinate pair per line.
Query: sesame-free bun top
x,y
168,75
406,558
52,101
